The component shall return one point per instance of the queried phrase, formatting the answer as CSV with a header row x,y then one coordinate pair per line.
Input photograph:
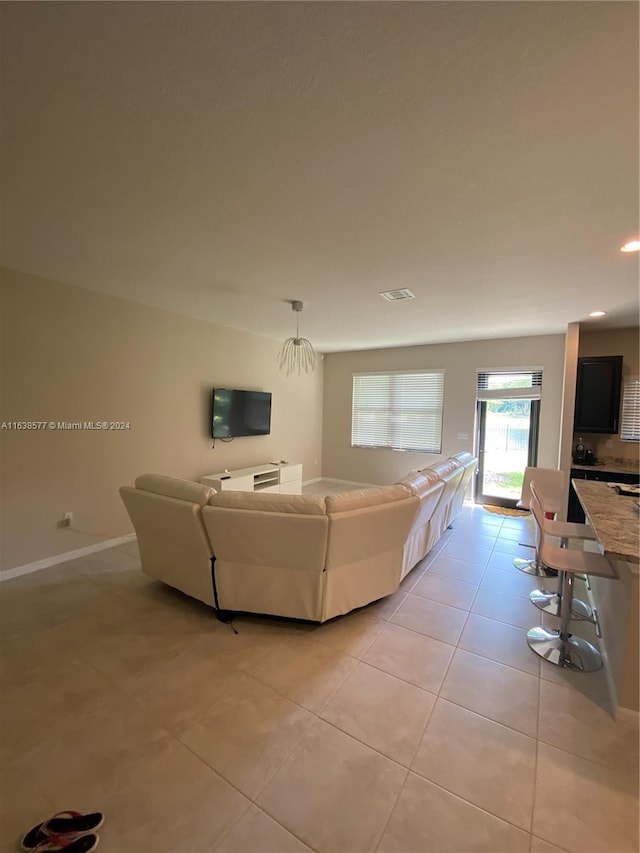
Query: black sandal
x,y
69,843
62,823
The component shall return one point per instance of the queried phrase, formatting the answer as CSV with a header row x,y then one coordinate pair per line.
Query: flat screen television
x,y
235,413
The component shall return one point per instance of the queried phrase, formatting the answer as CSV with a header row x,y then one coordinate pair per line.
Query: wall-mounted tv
x,y
235,413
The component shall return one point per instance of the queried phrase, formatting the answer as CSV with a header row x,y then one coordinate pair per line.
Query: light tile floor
x,y
420,723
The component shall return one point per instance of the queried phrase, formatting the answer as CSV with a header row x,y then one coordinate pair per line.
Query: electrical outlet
x,y
67,519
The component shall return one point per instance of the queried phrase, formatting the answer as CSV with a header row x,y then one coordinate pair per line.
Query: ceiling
x,y
218,159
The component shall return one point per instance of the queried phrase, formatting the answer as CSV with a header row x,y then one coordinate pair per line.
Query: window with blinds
x,y
630,420
509,384
400,410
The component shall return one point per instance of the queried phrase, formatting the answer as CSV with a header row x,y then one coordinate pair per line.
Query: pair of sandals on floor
x,y
70,832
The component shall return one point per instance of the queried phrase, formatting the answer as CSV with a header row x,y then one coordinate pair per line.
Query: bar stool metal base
x,y
569,653
534,567
551,602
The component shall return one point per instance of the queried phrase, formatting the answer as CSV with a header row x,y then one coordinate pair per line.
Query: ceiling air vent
x,y
394,295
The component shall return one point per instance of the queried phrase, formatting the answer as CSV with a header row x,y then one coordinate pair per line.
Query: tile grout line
x,y
392,810
316,716
457,646
429,720
469,802
490,719
535,763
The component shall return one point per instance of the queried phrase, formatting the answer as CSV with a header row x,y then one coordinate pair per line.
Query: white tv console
x,y
284,478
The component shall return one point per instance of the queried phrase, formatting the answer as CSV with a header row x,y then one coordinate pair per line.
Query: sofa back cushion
x,y
468,463
367,497
446,470
272,537
363,526
429,490
450,473
464,458
421,483
173,487
251,501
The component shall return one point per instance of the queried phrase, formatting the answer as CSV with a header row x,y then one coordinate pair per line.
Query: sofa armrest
x,y
174,547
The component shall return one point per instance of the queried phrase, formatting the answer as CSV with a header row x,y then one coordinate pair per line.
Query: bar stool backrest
x,y
537,512
552,481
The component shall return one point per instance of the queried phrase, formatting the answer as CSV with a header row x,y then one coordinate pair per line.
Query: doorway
x,y
507,426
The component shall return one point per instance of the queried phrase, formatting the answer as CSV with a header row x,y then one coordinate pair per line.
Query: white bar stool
x,y
548,600
552,481
562,648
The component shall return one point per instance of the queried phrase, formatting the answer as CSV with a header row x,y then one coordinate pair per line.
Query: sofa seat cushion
x,y
173,487
362,498
291,504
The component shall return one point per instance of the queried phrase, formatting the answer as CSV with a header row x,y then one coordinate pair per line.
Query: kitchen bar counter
x,y
602,473
614,519
613,467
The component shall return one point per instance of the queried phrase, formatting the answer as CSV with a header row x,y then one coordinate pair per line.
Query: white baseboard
x,y
346,482
63,558
602,647
608,677
314,480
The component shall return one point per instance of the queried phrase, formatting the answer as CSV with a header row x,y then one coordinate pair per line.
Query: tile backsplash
x,y
609,449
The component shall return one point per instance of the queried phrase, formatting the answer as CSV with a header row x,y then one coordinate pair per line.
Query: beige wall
x,y
624,342
69,354
460,361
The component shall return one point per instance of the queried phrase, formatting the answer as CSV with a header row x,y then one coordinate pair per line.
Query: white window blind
x,y
509,384
400,410
630,421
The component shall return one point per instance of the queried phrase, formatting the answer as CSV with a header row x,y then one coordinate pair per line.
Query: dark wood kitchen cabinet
x,y
598,394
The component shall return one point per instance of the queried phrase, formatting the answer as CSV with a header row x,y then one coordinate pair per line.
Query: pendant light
x,y
297,354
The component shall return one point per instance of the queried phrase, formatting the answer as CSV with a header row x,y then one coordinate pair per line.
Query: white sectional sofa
x,y
300,556
308,557
174,547
441,489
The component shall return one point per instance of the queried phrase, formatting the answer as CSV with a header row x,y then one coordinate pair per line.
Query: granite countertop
x,y
614,518
613,467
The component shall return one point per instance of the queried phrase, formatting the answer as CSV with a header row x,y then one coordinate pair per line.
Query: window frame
x,y
397,429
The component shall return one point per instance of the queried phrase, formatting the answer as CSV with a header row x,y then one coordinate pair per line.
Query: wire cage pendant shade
x,y
297,354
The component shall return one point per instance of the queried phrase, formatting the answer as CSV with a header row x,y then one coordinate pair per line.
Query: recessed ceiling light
x,y
631,246
597,314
